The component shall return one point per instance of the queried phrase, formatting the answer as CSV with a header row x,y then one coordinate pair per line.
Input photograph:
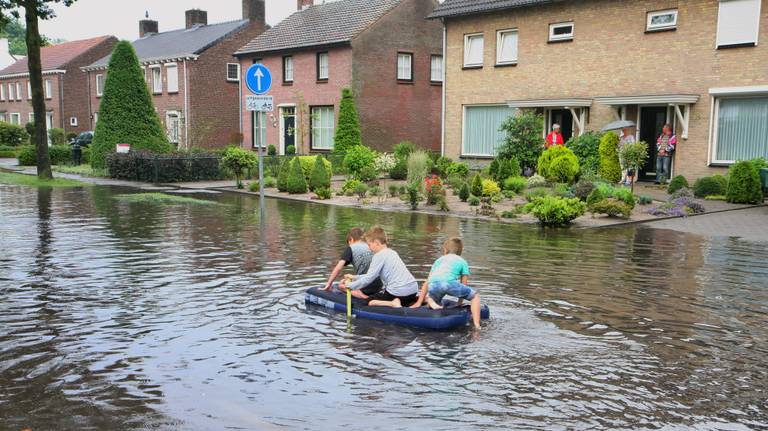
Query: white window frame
x,y
3,117
157,78
18,118
405,71
48,89
313,143
236,69
467,38
73,121
31,117
168,116
500,45
718,94
436,75
323,68
722,41
172,78
19,94
95,119
99,85
259,130
650,26
288,71
561,37
464,126
29,90
10,92
2,93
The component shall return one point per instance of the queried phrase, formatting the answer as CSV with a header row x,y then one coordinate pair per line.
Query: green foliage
x,y
28,156
464,192
612,208
624,195
677,183
501,169
59,155
419,166
374,191
515,184
413,195
361,190
404,149
9,152
320,178
348,130
443,165
270,182
271,150
163,168
609,158
536,181
359,163
126,112
744,184
30,128
392,190
537,192
634,155
237,160
563,190
290,150
523,139
556,211
509,214
163,198
34,181
71,136
759,163
583,188
714,185
282,176
15,31
476,188
349,186
57,136
400,170
600,192
490,188
716,198
323,193
442,204
473,201
645,200
585,147
13,135
297,184
559,164
461,169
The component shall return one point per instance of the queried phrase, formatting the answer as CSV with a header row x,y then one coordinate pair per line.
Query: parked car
x,y
84,139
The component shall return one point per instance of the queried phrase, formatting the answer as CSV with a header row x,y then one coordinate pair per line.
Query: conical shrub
x,y
319,178
296,182
282,176
477,185
348,131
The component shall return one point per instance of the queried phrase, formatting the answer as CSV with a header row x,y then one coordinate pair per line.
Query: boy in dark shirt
x,y
359,256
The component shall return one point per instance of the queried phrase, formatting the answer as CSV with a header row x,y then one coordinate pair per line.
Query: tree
x,y
16,34
320,178
523,139
126,114
609,170
632,156
34,10
348,130
237,160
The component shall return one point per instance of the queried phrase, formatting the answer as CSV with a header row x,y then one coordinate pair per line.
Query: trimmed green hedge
x,y
59,154
164,168
12,135
744,184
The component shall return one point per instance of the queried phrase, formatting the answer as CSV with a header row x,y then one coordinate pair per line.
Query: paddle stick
x,y
349,303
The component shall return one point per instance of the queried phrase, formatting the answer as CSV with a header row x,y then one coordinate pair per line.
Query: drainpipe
x,y
90,104
442,90
61,102
240,102
186,106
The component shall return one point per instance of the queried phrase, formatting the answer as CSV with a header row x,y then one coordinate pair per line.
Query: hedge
x,y
609,170
12,135
744,184
59,154
164,168
708,186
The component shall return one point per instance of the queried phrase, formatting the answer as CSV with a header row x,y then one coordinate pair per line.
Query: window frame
x,y
465,154
11,96
724,44
326,55
467,38
432,79
31,117
99,91
172,70
3,117
237,72
2,93
286,79
262,128
168,115
18,118
73,121
19,93
312,146
561,38
29,90
410,66
713,161
158,68
48,89
499,46
651,28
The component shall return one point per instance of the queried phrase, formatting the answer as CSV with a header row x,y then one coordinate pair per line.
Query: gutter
x,y
442,90
186,107
24,74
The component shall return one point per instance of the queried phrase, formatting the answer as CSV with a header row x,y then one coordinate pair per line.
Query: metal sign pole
x,y
261,175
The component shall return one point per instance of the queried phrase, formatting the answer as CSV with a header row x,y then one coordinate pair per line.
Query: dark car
x,y
84,139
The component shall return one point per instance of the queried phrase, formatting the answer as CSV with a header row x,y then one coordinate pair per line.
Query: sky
x,y
91,18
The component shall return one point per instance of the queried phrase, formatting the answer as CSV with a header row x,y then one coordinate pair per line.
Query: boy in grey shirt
x,y
359,256
400,287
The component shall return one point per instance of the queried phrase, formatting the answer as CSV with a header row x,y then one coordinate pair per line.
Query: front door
x,y
289,127
652,119
564,118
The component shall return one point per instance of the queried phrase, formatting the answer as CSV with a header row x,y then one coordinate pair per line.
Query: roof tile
x,y
453,8
56,56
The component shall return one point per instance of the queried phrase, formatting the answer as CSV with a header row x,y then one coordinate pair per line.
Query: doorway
x,y
287,128
652,119
564,118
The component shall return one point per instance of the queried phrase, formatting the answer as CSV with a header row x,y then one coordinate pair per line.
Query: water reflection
x,y
128,315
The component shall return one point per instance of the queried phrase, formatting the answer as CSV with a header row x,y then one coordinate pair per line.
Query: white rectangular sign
x,y
123,148
260,103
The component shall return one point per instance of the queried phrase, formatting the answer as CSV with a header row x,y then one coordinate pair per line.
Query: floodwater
x,y
123,316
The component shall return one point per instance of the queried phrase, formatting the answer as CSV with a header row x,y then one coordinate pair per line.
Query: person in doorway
x,y
627,137
554,137
665,146
359,256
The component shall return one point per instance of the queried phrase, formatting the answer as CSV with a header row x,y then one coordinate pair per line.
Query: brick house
x,y
384,50
192,76
64,85
696,64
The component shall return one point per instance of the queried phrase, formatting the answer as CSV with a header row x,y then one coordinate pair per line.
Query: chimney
x,y
303,4
254,10
195,17
147,26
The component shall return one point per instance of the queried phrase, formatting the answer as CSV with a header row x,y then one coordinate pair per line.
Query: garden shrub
x,y
271,150
645,200
515,184
282,176
413,195
384,162
59,155
433,189
461,169
559,164
508,214
13,135
633,155
297,184
537,192
759,163
308,165
320,178
27,156
57,136
443,165
714,185
501,169
361,190
163,168
744,184
536,181
585,147
393,190
30,128
290,150
685,192
556,211
599,193
611,207
347,134
522,139
626,196
582,189
404,149
419,166
677,183
237,160
374,191
126,113
442,204
323,193
349,186
9,152
71,136
473,201
400,170
476,187
454,181
563,190
359,163
490,188
464,192
609,158
270,182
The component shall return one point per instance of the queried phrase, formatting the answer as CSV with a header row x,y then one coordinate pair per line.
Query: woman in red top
x,y
554,137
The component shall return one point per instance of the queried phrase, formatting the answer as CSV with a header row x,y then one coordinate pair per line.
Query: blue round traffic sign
x,y
258,78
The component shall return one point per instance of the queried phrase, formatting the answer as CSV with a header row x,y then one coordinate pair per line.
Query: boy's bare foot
x,y
396,303
434,305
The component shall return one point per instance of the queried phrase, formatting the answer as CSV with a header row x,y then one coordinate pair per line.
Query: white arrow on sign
x,y
259,74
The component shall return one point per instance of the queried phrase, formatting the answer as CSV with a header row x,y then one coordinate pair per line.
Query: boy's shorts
x,y
438,289
405,301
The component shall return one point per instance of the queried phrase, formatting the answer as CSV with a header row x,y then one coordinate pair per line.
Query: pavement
x,y
750,224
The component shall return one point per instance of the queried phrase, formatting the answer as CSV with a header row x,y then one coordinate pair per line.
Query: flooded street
x,y
124,316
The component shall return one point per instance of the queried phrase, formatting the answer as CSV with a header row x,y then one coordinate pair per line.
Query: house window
x,y
233,72
16,119
49,121
322,66
99,85
561,31
144,72
31,117
172,76
157,80
661,20
2,93
473,50
73,121
173,126
436,68
95,119
506,47
259,129
288,69
48,89
29,90
741,128
481,129
3,116
19,96
738,22
10,92
404,66
322,124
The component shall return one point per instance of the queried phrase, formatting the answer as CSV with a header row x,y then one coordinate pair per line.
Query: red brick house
x,y
64,85
192,77
384,50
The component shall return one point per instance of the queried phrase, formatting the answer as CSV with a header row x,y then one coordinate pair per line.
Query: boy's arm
x,y
335,273
464,280
377,264
422,293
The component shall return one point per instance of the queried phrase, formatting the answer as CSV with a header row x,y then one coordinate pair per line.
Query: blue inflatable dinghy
x,y
451,316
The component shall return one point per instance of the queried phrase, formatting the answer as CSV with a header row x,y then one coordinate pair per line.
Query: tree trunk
x,y
36,83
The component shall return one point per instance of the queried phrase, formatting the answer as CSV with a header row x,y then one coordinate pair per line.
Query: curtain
x,y
481,129
742,129
323,127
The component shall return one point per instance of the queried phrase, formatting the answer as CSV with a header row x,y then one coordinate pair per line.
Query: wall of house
x,y
303,93
23,107
611,55
392,111
75,87
214,114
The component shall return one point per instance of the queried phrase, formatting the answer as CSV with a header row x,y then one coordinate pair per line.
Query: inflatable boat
x,y
451,316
